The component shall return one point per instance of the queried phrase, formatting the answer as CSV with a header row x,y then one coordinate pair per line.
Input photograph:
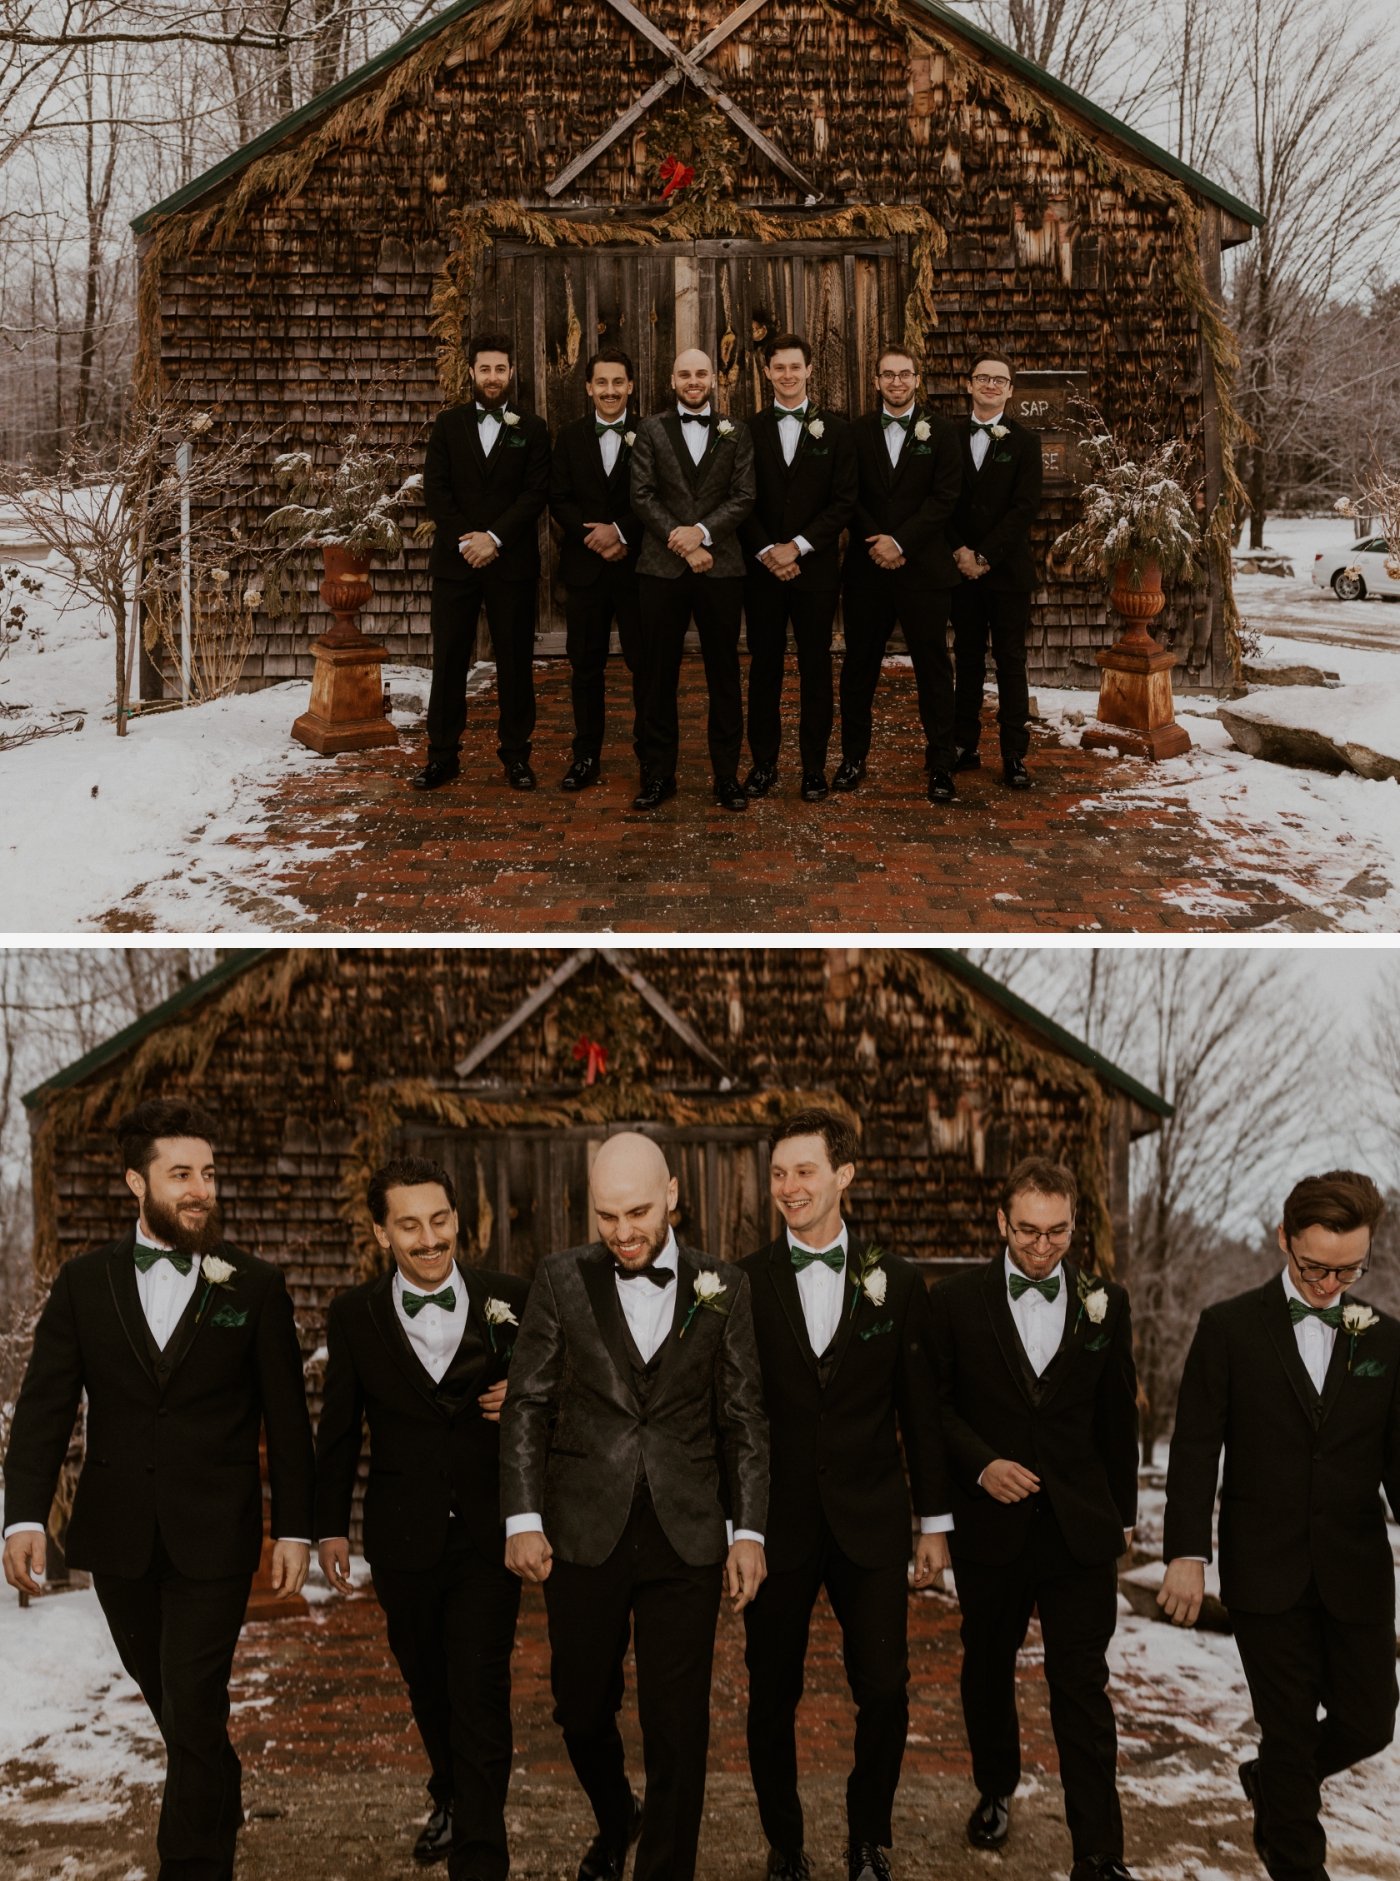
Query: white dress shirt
x,y
895,435
488,429
789,437
435,1331
611,442
697,442
981,441
1315,1339
1039,1322
822,1291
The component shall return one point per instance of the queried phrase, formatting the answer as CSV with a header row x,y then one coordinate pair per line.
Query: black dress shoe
x,y
941,788
1249,1783
761,779
990,1822
730,794
519,775
580,774
1100,1868
654,792
606,1858
1016,775
436,771
865,1861
788,1867
968,759
848,774
435,1843
814,788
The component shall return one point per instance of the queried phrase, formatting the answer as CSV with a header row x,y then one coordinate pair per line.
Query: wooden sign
x,y
1047,402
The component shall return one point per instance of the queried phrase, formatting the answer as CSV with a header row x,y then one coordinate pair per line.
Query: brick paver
x,y
359,851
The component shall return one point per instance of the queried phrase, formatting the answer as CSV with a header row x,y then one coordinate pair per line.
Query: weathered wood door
x,y
523,1193
560,304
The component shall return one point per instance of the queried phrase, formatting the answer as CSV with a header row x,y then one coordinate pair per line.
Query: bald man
x,y
692,485
634,1485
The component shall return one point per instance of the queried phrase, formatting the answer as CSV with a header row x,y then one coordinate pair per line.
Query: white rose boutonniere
x,y
923,431
873,1287
1093,1300
218,1273
817,428
1000,431
725,428
868,1277
510,418
709,1292
629,438
498,1313
1355,1321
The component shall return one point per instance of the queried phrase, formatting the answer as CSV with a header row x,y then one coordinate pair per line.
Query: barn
x,y
856,169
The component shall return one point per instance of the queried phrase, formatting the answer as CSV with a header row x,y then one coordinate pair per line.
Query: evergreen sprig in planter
x,y
1138,529
351,513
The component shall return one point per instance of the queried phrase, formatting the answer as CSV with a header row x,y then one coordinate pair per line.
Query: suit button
x,y
150,1469
163,1411
821,1469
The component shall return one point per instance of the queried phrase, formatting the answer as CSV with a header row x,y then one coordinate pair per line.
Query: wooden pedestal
x,y
1136,715
347,699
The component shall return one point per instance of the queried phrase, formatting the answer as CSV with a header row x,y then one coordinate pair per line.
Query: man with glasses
x,y
899,568
1296,1382
989,534
1034,1361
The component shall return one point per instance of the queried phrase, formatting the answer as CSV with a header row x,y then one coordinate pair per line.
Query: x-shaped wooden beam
x,y
684,65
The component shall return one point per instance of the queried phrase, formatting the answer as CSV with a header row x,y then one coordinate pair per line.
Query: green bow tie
x,y
599,427
799,412
413,1303
1299,1310
483,413
146,1258
1049,1288
903,422
832,1257
988,426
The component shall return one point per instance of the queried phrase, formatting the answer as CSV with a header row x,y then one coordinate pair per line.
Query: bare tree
x,y
1107,49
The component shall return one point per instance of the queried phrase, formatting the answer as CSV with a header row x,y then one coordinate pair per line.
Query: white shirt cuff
x,y
302,1541
23,1528
523,1525
705,537
804,547
742,1534
935,1524
621,538
1180,1557
763,552
494,537
897,547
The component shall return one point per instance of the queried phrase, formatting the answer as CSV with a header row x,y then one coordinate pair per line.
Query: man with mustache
x,y
185,1347
485,485
633,1431
420,1352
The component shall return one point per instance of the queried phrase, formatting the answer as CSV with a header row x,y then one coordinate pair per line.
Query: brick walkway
x,y
361,852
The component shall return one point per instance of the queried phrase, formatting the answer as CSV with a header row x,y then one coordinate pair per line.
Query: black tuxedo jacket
x,y
1076,1427
581,492
998,504
668,489
431,1450
172,1435
911,500
1301,1497
506,492
835,1446
575,1431
814,496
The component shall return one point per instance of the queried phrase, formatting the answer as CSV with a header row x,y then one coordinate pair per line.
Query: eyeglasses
x,y
985,378
1315,1273
1032,1237
897,375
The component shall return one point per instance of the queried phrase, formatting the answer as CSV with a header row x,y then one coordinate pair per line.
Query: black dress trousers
x,y
1078,1614
176,1637
510,621
452,1628
644,1587
668,606
981,614
1296,1662
769,604
875,602
589,613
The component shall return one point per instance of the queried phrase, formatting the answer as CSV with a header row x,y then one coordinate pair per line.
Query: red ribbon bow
x,y
676,175
593,1056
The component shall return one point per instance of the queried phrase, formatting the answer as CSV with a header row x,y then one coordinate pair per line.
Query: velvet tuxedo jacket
x,y
576,1433
911,500
1304,1471
814,496
668,489
836,1444
172,1435
581,491
998,504
1076,1427
431,1450
464,489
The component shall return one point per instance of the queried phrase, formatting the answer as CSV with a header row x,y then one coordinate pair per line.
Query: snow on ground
x,y
74,1731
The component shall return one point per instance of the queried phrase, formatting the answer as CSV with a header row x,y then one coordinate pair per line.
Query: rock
x,y
1266,673
1343,728
1261,562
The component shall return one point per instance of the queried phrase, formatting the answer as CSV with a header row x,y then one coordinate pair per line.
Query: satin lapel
x,y
474,437
783,1276
847,1327
1072,1335
202,1302
882,455
1336,1373
477,1296
675,431
907,451
1004,1326
597,1271
672,1349
386,1321
1273,1307
121,1273
969,461
489,457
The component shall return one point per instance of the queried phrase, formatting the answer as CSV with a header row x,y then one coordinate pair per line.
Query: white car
x,y
1357,570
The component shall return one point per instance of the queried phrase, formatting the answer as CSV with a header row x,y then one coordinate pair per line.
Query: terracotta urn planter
x,y
346,711
1136,714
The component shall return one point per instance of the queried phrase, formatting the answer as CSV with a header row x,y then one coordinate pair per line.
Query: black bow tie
x,y
618,424
658,1276
790,411
695,418
989,426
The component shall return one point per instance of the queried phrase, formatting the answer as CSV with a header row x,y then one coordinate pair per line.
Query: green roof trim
x,y
149,1022
364,75
1056,1034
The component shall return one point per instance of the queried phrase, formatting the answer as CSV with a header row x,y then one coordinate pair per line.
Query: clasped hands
x,y
968,564
782,560
477,548
604,540
688,541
